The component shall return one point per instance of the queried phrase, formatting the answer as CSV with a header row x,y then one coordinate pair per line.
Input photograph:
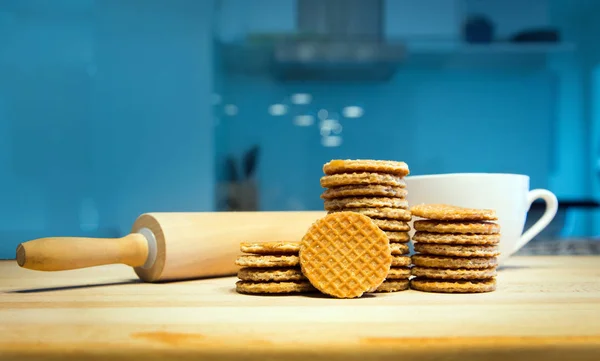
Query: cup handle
x,y
545,219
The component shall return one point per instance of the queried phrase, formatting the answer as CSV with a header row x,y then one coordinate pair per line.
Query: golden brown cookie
x,y
399,248
457,250
398,273
345,255
249,287
271,274
453,262
446,212
373,190
456,227
448,238
391,225
344,179
384,213
267,261
393,286
362,202
401,261
272,248
453,286
454,274
337,166
397,237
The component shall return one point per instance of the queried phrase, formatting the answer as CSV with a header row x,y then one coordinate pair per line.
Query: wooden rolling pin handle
x,y
67,253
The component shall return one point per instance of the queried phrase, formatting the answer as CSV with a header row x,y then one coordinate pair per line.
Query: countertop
x,y
545,307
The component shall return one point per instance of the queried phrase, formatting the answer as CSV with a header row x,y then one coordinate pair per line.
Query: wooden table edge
x,y
423,349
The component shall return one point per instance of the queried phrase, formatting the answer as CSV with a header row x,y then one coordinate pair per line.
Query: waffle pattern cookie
x,y
391,225
363,178
457,227
393,286
397,279
398,214
362,202
453,286
399,248
345,255
271,268
456,249
398,237
399,273
445,212
271,248
273,287
337,166
375,189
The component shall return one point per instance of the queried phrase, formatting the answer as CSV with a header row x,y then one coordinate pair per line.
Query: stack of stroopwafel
x,y
271,267
457,249
376,189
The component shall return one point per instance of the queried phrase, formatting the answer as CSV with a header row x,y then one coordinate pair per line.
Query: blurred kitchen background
x,y
112,108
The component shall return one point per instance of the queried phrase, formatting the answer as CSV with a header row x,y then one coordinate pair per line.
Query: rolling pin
x,y
170,246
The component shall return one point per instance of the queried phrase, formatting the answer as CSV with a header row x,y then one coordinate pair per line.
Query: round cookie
x,y
385,213
345,255
362,202
273,287
453,262
401,261
456,227
445,212
457,250
398,273
337,166
272,248
344,179
455,286
453,274
270,274
397,237
399,248
373,190
448,238
393,286
267,261
391,225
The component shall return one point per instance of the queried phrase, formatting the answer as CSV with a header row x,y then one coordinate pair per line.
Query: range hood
x,y
337,40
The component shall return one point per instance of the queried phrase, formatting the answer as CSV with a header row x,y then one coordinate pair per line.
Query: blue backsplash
x,y
106,112
102,115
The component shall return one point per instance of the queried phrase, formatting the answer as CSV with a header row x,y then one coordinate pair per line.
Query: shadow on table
x,y
74,287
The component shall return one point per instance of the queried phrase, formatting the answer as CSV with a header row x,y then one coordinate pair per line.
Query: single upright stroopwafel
x,y
345,254
376,189
271,268
457,249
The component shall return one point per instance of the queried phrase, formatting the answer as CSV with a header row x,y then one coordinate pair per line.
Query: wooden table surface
x,y
545,308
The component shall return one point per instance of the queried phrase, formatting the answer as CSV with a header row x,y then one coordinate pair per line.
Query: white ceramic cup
x,y
507,194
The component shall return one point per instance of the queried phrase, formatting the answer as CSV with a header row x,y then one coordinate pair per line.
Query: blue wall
x,y
104,114
578,132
